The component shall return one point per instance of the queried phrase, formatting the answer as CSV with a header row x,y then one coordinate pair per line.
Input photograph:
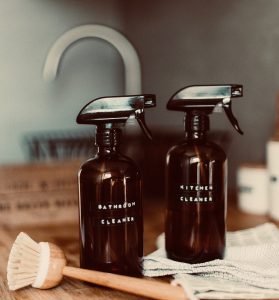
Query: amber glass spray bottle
x,y
110,208
196,177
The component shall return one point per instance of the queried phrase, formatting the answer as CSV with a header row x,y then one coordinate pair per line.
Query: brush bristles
x,y
23,262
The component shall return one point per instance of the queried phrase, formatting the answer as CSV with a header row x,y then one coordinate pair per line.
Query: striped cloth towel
x,y
250,268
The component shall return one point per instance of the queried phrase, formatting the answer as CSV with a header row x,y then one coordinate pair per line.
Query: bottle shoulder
x,y
117,164
206,149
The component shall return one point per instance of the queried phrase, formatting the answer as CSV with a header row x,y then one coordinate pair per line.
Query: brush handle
x,y
142,287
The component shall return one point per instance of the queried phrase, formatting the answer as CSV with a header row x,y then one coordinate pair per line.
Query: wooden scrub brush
x,y
43,266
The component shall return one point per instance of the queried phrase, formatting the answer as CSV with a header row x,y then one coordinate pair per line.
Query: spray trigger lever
x,y
139,114
227,105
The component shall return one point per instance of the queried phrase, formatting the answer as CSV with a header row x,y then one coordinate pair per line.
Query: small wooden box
x,y
39,193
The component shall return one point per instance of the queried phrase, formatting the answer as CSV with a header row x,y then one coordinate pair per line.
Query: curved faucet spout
x,y
125,48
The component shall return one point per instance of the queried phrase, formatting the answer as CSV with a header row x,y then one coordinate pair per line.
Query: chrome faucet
x,y
128,53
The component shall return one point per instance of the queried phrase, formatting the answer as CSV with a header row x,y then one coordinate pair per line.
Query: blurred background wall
x,y
179,42
90,68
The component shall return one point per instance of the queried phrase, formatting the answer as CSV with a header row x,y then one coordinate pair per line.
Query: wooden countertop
x,y
66,236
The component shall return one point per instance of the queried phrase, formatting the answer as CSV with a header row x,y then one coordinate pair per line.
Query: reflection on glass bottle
x,y
111,212
110,204
196,192
196,178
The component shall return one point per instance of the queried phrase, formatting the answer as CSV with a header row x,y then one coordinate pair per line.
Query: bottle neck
x,y
107,140
195,135
196,125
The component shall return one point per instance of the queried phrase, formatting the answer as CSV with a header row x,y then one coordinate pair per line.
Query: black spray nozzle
x,y
113,110
207,99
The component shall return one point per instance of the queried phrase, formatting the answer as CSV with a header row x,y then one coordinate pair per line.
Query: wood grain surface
x,y
38,193
66,236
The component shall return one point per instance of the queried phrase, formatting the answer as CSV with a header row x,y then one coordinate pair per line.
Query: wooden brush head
x,y
37,264
57,261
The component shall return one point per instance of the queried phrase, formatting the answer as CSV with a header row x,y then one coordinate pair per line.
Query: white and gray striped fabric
x,y
250,268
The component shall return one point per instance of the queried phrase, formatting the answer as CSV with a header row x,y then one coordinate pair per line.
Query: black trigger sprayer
x,y
110,208
204,100
196,176
110,112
